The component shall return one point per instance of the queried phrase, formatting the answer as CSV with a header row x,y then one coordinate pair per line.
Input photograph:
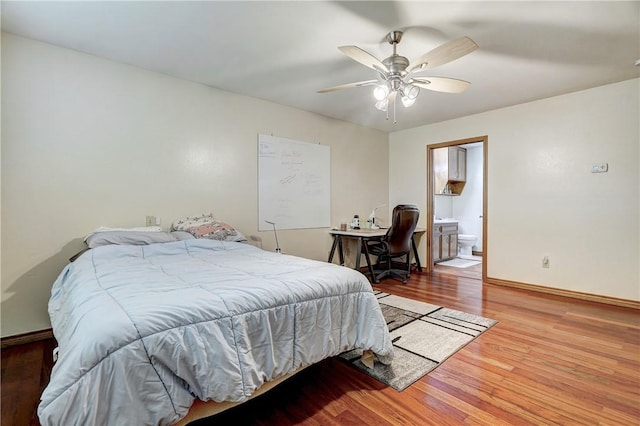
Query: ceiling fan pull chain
x,y
395,100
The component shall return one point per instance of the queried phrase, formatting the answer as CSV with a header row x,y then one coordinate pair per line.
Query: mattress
x,y
143,331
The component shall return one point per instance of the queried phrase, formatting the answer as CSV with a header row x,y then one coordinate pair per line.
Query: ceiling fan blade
x,y
348,86
441,84
365,58
444,53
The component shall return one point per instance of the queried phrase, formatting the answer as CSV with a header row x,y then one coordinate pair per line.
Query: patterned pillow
x,y
130,238
206,226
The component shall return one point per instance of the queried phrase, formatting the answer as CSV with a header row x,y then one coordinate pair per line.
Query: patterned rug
x,y
423,337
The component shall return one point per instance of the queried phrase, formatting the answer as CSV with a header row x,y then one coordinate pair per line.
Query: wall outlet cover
x,y
545,262
599,167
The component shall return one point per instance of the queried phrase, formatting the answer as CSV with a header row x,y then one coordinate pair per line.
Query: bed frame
x,y
201,409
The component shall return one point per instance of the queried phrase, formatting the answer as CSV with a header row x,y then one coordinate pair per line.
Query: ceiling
x,y
284,52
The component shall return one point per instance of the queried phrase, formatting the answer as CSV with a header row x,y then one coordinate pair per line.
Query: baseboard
x,y
566,293
21,339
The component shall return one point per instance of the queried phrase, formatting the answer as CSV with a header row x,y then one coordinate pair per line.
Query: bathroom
x,y
464,206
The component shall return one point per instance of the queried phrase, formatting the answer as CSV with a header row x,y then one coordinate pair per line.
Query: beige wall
x,y
542,198
89,142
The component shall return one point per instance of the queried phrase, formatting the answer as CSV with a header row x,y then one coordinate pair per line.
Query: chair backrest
x,y
404,220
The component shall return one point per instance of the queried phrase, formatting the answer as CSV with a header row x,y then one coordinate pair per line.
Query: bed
x,y
145,332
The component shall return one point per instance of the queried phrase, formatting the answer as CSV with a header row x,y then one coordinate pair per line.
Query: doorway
x,y
461,213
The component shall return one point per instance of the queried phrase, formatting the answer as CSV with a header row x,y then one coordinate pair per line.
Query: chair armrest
x,y
374,241
378,247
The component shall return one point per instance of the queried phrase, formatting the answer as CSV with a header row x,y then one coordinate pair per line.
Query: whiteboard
x,y
294,184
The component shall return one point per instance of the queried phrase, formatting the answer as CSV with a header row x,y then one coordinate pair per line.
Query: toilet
x,y
465,242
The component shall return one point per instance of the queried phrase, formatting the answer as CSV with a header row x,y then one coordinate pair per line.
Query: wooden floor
x,y
550,360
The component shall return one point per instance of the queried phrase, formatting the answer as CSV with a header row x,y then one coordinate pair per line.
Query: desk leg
x,y
337,242
366,256
415,254
333,248
358,253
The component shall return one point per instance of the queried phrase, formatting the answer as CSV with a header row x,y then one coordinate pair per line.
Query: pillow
x,y
131,238
206,226
182,235
138,229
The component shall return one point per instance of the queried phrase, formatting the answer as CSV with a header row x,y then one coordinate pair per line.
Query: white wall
x,y
542,198
89,142
443,206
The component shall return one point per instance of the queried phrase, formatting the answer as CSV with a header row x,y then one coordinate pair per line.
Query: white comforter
x,y
143,330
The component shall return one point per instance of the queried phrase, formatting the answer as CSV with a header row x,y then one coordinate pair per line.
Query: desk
x,y
362,235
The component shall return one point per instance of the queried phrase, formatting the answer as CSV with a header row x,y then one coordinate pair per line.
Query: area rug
x,y
423,337
459,263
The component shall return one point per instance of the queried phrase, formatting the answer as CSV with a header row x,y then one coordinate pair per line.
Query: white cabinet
x,y
457,164
445,241
449,170
436,244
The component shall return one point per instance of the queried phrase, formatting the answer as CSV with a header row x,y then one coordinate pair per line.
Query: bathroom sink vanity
x,y
445,240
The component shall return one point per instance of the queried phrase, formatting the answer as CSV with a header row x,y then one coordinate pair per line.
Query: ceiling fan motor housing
x,y
396,64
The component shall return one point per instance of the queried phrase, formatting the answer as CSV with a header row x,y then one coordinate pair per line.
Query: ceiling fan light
x,y
382,105
407,101
381,92
412,91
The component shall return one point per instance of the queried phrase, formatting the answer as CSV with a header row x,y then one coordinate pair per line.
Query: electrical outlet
x,y
545,262
151,221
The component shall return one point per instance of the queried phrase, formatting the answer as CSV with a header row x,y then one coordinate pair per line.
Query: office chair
x,y
395,243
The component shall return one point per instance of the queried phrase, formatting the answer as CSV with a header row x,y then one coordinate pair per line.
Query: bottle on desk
x,y
355,222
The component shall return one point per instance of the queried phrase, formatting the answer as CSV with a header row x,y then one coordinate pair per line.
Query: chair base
x,y
387,262
390,273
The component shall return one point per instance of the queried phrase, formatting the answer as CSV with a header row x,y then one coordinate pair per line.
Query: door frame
x,y
428,267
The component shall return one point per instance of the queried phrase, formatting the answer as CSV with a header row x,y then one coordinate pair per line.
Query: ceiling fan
x,y
396,75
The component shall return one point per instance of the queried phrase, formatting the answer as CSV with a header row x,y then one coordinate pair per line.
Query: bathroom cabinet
x,y
445,241
450,170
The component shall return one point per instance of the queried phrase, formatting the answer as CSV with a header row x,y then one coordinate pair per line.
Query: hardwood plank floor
x,y
550,360
25,373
